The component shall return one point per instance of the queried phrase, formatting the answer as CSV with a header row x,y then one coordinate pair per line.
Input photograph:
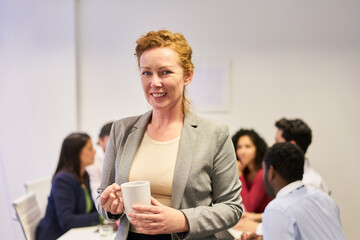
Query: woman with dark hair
x,y
250,149
70,204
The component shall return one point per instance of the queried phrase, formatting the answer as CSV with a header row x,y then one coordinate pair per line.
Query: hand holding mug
x,y
111,200
158,219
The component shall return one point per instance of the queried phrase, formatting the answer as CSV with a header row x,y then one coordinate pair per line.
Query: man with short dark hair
x,y
95,170
296,131
298,211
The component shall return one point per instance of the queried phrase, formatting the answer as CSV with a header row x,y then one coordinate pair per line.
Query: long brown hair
x,y
69,160
257,140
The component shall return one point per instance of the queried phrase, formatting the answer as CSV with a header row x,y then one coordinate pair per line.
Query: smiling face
x,y
163,78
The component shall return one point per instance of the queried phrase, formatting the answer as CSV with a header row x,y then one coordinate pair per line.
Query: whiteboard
x,y
209,90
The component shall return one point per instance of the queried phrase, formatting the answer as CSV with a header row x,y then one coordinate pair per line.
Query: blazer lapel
x,y
131,146
185,156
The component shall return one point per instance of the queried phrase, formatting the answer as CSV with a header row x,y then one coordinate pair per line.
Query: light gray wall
x,y
288,58
37,95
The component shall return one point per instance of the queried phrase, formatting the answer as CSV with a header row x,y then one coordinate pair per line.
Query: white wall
x,y
37,95
288,59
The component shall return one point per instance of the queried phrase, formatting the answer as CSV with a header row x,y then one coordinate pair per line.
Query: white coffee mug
x,y
136,192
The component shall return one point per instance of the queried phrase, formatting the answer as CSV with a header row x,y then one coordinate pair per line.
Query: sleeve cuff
x,y
112,216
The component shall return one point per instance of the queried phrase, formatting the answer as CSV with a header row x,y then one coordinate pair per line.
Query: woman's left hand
x,y
158,219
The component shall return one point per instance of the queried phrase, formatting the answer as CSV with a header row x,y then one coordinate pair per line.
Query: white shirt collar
x,y
290,187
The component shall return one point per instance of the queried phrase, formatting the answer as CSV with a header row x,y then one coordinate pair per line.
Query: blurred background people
x,y
189,160
298,211
298,132
250,149
95,170
70,204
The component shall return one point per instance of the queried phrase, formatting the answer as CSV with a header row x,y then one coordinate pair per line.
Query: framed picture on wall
x,y
209,90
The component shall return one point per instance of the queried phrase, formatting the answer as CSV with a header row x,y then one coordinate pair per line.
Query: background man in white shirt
x,y
298,211
297,132
95,170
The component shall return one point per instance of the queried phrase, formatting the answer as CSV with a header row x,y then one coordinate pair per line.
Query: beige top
x,y
155,161
200,139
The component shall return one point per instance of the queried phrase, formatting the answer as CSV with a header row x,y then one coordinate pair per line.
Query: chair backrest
x,y
28,214
41,189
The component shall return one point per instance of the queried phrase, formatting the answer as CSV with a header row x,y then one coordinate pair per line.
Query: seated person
x,y
250,149
70,204
297,132
298,211
95,170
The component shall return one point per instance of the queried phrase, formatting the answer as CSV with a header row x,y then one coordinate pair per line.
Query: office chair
x,y
41,189
28,214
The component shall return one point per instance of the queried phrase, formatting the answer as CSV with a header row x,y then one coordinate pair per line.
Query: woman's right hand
x,y
111,200
241,167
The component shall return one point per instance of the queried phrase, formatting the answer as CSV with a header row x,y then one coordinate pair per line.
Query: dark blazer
x,y
206,185
66,208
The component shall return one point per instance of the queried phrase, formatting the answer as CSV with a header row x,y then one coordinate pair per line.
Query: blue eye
x,y
146,73
166,72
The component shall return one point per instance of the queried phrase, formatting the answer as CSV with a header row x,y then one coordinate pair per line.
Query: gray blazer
x,y
206,185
